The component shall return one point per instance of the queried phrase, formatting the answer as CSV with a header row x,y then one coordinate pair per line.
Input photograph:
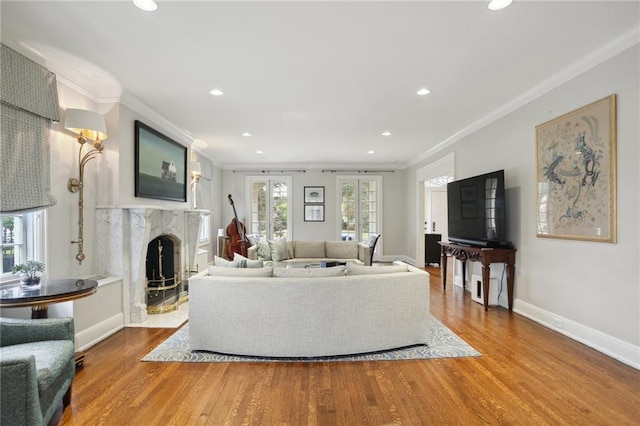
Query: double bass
x,y
237,233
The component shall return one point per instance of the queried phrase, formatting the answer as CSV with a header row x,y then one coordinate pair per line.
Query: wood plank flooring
x,y
528,375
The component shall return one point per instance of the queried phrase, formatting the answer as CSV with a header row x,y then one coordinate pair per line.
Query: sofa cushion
x,y
248,262
353,269
309,249
263,250
279,250
342,249
224,263
336,271
217,271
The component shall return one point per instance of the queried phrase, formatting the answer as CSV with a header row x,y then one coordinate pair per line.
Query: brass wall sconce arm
x,y
88,125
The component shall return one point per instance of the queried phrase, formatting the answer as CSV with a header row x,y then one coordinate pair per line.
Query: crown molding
x,y
596,57
143,109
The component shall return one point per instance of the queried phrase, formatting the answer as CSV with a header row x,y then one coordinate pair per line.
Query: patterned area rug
x,y
442,343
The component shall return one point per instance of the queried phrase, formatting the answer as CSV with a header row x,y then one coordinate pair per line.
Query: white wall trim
x,y
152,115
96,333
582,65
622,351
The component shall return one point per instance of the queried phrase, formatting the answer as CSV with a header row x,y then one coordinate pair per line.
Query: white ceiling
x,y
316,83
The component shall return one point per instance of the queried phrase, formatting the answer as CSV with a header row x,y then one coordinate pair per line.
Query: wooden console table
x,y
486,256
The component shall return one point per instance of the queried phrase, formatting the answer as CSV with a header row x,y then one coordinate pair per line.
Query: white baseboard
x,y
94,334
622,351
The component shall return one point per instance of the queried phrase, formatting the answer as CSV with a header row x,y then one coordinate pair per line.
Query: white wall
x,y
393,240
588,290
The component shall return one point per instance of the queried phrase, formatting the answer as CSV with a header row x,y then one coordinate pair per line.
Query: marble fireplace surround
x,y
123,236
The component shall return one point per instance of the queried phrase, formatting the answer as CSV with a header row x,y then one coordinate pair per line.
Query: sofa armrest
x,y
15,331
19,395
364,253
252,252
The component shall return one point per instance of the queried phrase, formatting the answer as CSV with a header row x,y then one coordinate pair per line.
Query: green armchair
x,y
37,365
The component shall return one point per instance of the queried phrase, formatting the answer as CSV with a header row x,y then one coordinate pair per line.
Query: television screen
x,y
476,210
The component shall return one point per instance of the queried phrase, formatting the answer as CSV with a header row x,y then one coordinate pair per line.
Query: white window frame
x,y
205,226
379,206
33,240
288,180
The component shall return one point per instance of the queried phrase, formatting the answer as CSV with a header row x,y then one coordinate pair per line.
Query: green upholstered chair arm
x,y
16,331
19,396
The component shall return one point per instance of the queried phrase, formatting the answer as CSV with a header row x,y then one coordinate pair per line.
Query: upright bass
x,y
237,233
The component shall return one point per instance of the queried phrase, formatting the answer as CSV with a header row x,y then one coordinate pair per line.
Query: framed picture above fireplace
x,y
160,165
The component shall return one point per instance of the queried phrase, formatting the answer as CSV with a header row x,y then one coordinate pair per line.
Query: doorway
x,y
435,220
432,172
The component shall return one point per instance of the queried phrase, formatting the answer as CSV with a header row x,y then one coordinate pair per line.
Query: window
x,y
269,207
360,202
22,240
204,228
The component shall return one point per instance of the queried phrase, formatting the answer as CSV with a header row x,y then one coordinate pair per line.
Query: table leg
x,y
39,312
511,272
464,274
443,269
486,274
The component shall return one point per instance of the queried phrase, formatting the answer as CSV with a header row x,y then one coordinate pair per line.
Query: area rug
x,y
442,343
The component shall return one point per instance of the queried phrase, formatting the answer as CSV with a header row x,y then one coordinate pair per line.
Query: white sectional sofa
x,y
303,251
306,313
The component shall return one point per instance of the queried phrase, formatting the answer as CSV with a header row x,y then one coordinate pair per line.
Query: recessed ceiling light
x,y
246,134
146,5
259,152
386,133
371,152
498,4
217,92
423,91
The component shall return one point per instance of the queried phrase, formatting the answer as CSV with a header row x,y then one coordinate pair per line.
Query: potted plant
x,y
29,272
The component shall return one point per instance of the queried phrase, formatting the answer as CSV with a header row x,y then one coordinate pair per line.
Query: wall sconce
x,y
88,125
196,172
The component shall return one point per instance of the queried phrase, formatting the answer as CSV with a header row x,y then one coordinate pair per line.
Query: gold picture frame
x,y
576,174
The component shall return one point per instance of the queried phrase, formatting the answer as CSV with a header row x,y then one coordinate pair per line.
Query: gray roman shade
x,y
29,103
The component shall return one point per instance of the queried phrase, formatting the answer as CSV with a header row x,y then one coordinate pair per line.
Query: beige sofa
x,y
302,251
306,313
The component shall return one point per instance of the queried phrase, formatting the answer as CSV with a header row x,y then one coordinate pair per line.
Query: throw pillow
x,y
250,263
353,269
218,271
253,239
336,271
342,249
309,249
263,250
224,263
279,250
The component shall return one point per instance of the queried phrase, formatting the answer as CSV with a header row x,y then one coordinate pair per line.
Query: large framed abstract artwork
x,y
576,174
160,165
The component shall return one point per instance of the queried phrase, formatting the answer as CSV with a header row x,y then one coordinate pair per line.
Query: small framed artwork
x,y
576,156
314,194
160,165
313,213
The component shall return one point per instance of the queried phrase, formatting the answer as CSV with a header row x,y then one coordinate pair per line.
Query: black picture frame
x,y
160,165
314,212
314,194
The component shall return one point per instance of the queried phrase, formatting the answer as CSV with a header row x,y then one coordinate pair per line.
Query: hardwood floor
x,y
528,375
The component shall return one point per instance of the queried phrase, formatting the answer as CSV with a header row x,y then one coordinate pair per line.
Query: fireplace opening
x,y
163,281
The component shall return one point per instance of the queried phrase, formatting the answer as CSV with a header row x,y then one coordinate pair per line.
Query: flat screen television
x,y
476,210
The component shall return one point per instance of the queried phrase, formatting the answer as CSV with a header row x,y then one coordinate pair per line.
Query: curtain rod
x,y
269,171
358,171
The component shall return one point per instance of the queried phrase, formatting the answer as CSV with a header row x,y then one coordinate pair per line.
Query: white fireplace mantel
x,y
124,233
